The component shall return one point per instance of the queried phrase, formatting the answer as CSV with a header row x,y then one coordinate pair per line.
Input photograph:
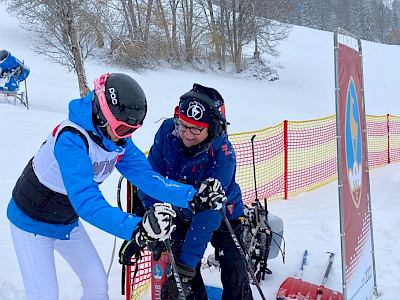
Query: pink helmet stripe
x,y
99,86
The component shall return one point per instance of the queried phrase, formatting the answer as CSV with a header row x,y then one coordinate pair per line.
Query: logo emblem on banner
x,y
157,272
353,143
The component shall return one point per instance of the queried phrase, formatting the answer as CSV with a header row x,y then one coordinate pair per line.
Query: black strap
x,y
77,132
95,138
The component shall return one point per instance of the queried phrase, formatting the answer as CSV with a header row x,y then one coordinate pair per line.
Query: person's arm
x,y
83,192
135,167
157,162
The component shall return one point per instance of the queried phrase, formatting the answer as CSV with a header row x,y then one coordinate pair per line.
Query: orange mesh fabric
x,y
136,285
394,138
269,162
311,155
377,141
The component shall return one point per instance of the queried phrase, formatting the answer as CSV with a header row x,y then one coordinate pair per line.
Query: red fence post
x,y
285,149
388,136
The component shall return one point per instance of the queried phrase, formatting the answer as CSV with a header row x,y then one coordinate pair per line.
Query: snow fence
x,y
295,157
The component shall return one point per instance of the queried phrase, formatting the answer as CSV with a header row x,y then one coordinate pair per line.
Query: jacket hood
x,y
80,112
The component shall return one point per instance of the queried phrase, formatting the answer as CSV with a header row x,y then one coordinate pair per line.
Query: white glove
x,y
156,224
210,196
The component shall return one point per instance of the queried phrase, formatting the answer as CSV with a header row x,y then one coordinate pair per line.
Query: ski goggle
x,y
119,128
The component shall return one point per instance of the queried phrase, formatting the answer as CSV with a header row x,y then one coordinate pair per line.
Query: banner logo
x,y
353,143
157,272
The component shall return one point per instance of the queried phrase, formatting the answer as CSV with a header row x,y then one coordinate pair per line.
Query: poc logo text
x,y
113,96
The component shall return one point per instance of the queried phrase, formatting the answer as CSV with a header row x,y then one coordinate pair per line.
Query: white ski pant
x,y
35,255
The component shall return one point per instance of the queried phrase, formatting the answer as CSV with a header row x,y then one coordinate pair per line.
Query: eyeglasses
x,y
193,130
119,128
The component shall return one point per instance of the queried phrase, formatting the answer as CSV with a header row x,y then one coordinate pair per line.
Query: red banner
x,y
159,276
355,216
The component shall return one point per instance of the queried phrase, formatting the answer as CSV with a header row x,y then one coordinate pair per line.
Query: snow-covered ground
x,y
304,91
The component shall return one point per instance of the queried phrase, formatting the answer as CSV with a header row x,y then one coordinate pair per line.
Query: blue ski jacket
x,y
75,165
169,157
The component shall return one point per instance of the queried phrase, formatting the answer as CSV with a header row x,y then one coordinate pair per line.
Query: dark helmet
x,y
214,102
125,99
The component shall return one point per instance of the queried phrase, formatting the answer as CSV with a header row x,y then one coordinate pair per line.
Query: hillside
x,y
304,91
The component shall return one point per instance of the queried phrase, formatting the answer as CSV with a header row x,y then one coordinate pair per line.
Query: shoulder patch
x,y
226,150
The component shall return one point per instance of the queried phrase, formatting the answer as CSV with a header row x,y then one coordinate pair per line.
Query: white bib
x,y
48,171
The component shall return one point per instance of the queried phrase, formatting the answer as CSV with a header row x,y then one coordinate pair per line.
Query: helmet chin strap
x,y
104,130
106,135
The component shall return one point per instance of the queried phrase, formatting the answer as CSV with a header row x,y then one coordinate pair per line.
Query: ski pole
x,y
328,269
174,269
263,261
254,172
239,247
254,166
123,271
258,204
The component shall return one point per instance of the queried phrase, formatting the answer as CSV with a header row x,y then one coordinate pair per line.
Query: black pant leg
x,y
198,289
177,238
234,276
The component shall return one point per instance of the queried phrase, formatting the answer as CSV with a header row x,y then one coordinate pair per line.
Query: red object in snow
x,y
298,289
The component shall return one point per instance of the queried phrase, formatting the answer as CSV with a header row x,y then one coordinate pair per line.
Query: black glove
x,y
156,248
170,290
210,196
156,224
127,250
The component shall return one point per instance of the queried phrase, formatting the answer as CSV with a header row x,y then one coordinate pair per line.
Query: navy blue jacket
x,y
169,157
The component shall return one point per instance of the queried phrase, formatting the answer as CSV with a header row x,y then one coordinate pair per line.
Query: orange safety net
x,y
136,284
311,155
268,146
377,141
394,138
290,158
295,157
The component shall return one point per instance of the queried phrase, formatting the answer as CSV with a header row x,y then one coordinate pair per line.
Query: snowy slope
x,y
305,91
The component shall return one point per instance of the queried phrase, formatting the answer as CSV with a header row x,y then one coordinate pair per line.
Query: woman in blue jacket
x,y
61,183
190,148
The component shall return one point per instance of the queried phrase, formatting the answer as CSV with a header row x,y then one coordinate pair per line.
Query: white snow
x,y
304,91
